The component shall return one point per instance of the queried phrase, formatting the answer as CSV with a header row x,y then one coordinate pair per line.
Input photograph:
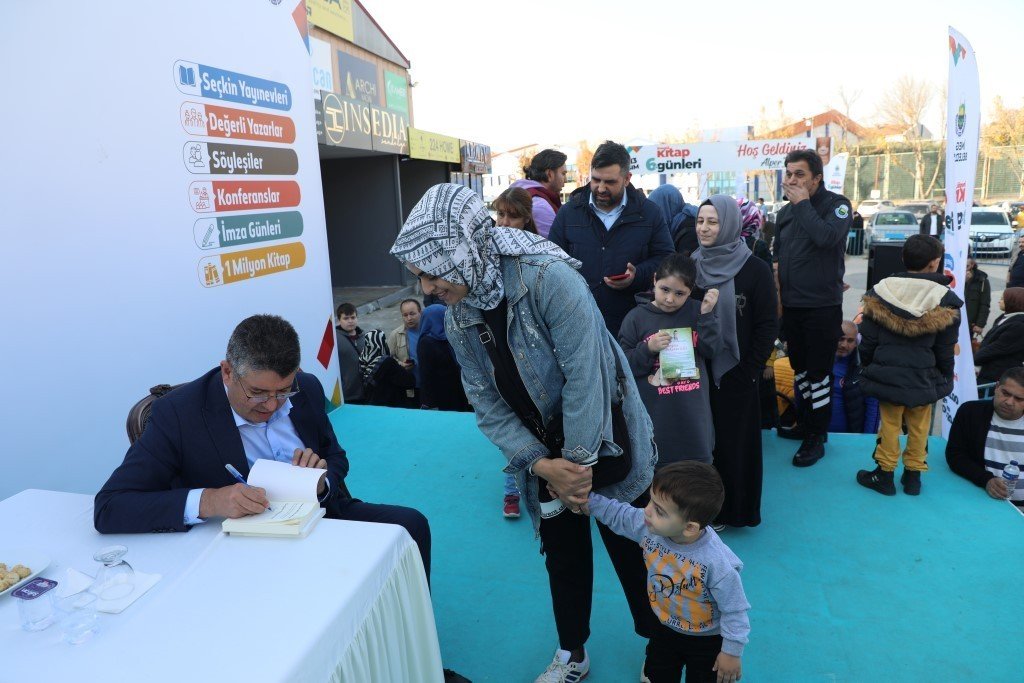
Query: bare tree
x,y
847,99
1003,137
904,106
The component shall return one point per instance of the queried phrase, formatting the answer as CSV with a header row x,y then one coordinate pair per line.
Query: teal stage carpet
x,y
845,584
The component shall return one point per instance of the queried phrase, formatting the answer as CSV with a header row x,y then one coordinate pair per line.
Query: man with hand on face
x,y
255,404
810,247
987,435
618,235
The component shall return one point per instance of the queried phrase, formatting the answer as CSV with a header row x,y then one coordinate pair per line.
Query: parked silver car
x,y
891,226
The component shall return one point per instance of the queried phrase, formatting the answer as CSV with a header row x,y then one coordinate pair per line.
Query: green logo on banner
x,y
215,232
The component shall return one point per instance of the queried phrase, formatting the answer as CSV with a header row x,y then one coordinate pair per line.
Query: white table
x,y
348,603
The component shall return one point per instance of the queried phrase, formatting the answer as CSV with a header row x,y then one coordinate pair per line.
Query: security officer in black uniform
x,y
810,245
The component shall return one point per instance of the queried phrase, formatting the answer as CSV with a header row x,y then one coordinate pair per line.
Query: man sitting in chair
x,y
986,435
256,404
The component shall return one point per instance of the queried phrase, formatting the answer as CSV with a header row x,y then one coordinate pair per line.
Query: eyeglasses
x,y
260,399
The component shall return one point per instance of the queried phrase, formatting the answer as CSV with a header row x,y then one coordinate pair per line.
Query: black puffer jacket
x,y
1002,348
908,336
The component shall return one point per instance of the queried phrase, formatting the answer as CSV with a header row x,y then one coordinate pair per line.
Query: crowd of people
x,y
624,354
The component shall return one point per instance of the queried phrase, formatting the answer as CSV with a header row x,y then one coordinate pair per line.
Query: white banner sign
x,y
963,116
172,191
835,173
703,157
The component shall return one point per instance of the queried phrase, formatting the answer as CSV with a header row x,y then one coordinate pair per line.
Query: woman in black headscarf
x,y
749,327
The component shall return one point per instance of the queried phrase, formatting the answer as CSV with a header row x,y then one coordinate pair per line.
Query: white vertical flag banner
x,y
835,173
963,117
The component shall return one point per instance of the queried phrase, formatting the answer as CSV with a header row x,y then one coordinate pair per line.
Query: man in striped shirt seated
x,y
987,435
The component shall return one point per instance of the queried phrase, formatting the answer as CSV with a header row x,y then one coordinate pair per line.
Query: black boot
x,y
877,479
911,481
811,451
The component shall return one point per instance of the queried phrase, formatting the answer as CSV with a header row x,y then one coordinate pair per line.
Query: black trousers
x,y
812,335
414,522
670,652
569,558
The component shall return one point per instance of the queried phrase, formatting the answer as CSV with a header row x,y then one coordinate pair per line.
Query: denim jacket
x,y
564,355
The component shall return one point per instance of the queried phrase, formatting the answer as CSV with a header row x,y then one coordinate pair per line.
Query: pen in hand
x,y
241,480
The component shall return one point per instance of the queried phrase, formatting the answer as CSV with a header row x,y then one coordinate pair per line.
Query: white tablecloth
x,y
348,603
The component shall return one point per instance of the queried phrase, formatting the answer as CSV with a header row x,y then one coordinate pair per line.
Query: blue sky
x,y
508,74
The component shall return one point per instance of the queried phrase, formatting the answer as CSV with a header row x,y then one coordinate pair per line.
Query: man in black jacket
x,y
978,297
932,223
810,247
986,435
618,234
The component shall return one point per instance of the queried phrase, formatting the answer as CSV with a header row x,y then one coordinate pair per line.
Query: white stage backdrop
x,y
963,124
162,167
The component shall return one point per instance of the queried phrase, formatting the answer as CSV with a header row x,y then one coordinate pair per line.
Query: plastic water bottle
x,y
1011,473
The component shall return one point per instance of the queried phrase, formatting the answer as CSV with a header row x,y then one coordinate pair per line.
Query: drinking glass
x,y
116,578
77,617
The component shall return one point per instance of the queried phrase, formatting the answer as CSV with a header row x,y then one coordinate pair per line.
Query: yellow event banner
x,y
237,266
433,147
333,16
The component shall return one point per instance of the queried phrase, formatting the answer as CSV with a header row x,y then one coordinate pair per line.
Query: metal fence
x,y
1000,174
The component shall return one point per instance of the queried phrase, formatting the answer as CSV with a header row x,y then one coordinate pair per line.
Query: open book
x,y
294,509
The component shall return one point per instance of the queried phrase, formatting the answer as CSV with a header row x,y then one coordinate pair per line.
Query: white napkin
x,y
75,581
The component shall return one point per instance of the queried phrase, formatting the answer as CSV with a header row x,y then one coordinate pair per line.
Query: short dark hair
x,y
680,266
1013,299
695,487
760,199
264,342
808,155
419,306
1016,374
346,309
542,162
611,153
920,250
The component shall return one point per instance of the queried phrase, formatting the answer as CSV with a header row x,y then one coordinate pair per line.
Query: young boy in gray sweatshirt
x,y
693,578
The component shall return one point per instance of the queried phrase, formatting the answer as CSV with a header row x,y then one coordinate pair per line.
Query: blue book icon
x,y
187,75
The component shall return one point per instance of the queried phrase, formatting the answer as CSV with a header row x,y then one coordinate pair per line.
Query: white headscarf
x,y
450,235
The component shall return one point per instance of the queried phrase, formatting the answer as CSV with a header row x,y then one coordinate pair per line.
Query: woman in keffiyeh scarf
x,y
450,237
548,386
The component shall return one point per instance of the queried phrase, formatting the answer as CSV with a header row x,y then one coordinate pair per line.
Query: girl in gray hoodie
x,y
680,408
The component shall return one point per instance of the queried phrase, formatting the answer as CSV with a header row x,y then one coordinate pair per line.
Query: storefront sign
x,y
434,147
333,16
323,66
359,79
476,158
344,122
396,92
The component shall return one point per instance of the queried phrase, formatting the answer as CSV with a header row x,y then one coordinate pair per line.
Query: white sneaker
x,y
561,671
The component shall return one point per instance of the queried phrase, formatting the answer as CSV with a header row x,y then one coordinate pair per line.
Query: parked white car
x,y
869,207
991,234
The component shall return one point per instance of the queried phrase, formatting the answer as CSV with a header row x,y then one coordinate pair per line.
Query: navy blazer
x,y
190,436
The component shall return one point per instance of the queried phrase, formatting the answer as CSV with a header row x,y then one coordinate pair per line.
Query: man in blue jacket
x,y
618,235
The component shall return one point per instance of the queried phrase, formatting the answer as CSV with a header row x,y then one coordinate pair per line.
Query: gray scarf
x,y
717,265
450,235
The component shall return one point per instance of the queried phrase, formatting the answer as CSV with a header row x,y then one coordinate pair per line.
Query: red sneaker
x,y
511,506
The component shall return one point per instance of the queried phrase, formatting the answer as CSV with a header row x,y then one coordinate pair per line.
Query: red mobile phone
x,y
623,276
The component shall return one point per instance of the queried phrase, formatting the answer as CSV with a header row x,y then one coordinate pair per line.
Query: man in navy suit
x,y
257,404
